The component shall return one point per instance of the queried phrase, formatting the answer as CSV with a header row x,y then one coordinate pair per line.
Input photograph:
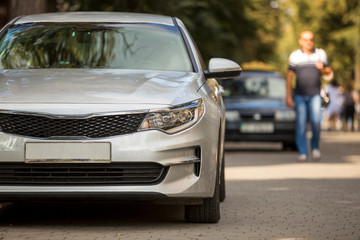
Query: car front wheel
x,y
222,182
209,211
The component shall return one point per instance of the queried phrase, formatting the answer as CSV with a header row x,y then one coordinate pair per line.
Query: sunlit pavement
x,y
269,196
275,197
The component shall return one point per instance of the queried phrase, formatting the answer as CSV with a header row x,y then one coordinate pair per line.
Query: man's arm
x,y
326,72
289,77
323,70
323,66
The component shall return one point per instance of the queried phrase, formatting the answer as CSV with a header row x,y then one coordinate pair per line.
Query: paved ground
x,y
269,196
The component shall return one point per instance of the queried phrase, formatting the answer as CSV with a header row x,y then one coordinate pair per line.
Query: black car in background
x,y
256,109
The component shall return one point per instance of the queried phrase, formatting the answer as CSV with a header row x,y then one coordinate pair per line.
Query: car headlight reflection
x,y
285,115
174,119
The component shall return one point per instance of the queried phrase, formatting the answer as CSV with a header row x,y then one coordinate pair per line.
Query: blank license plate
x,y
257,128
96,152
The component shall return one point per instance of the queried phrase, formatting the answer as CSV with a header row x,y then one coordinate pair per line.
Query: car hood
x,y
247,104
110,90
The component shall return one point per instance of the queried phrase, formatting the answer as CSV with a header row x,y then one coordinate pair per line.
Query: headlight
x,y
232,116
285,115
174,119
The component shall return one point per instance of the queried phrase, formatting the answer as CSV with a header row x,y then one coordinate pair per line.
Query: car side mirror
x,y
222,68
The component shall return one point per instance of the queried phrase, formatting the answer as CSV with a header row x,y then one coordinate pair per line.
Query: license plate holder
x,y
68,152
254,127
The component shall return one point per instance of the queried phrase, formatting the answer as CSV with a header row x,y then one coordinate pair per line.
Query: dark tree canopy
x,y
247,30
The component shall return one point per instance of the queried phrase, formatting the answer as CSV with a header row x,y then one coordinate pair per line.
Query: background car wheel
x,y
209,211
222,182
289,146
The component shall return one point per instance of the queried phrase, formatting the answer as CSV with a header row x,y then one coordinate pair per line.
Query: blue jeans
x,y
307,108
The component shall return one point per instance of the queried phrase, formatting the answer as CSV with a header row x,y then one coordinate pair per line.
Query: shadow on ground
x,y
88,214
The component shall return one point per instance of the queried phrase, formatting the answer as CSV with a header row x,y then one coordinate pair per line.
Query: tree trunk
x,y
4,12
26,7
357,69
357,54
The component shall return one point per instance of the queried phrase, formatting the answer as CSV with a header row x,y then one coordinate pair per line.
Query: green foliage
x,y
256,30
335,24
341,36
240,30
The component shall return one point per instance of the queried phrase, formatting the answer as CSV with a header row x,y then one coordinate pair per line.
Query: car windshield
x,y
87,45
255,86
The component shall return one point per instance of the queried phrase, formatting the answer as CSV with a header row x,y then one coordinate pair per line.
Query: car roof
x,y
96,17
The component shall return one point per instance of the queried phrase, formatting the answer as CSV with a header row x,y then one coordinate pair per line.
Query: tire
x,y
209,211
222,182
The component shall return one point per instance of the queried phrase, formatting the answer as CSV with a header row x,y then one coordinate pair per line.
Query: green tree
x,y
22,7
336,27
257,30
240,30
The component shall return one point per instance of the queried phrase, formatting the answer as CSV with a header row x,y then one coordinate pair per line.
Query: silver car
x,y
111,106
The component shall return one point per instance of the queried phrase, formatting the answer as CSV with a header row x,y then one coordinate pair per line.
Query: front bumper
x,y
177,152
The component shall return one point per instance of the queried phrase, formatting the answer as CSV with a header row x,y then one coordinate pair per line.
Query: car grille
x,y
82,174
91,127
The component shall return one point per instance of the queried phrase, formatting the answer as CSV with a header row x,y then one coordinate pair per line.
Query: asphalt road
x,y
269,196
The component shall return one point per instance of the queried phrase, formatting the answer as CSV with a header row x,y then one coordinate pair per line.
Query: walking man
x,y
308,64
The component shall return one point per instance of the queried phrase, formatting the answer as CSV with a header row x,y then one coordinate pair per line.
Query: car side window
x,y
273,87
